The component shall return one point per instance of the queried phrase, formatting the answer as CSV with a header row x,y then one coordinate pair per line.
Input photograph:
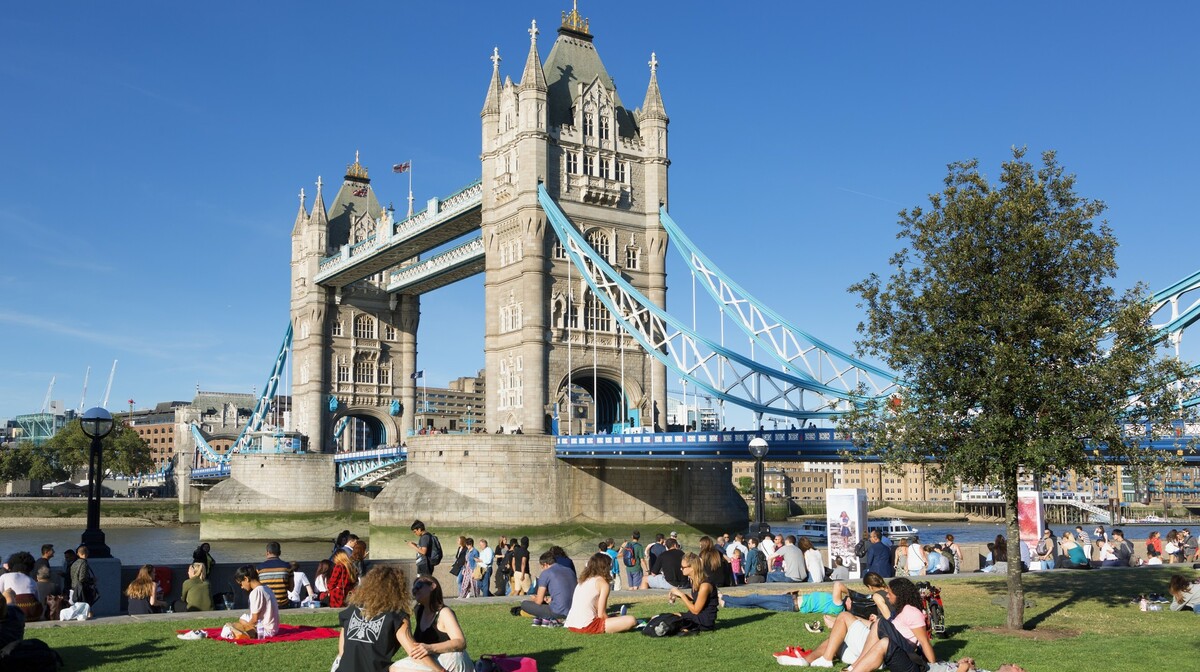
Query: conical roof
x,y
573,59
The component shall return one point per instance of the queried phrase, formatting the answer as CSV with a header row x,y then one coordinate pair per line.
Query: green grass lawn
x,y
1080,621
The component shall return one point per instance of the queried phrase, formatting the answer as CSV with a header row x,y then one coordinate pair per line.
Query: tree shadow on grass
x,y
724,621
550,659
1054,590
85,657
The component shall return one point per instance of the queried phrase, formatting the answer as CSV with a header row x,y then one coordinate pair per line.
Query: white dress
x,y
815,565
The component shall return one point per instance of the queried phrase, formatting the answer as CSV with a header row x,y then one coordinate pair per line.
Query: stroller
x,y
935,611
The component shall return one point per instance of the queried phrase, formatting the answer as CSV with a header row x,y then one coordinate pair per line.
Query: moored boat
x,y
894,528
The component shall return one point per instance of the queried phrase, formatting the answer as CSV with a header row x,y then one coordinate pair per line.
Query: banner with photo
x,y
1031,517
847,517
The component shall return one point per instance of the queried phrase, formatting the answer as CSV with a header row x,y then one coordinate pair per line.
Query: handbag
x,y
478,573
502,663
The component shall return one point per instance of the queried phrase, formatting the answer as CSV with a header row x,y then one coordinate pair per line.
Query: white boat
x,y
894,528
815,530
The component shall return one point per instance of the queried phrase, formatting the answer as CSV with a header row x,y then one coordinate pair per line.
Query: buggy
x,y
935,611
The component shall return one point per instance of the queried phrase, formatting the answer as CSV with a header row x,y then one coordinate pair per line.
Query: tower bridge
x,y
568,223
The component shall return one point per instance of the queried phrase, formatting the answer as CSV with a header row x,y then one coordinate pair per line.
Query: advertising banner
x,y
847,517
1031,518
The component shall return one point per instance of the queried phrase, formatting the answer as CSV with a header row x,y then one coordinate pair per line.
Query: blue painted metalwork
x,y
791,346
700,361
470,252
366,468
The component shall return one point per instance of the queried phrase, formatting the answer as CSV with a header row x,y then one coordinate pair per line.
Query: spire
x,y
652,107
302,215
533,77
491,104
318,214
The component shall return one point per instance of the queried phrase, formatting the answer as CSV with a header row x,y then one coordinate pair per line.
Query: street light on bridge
x,y
758,448
96,423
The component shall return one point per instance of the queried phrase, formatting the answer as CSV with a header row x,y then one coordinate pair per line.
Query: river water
x,y
171,545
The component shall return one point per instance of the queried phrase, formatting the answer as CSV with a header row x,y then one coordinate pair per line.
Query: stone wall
x,y
503,480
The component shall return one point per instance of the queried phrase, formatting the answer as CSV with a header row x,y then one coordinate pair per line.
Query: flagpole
x,y
410,196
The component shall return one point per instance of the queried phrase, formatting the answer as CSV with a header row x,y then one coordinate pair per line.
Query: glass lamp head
x,y
758,447
96,422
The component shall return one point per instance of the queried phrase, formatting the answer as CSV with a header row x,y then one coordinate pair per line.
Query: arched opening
x,y
353,432
592,404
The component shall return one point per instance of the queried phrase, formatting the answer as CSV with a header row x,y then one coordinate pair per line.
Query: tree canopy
x,y
1014,349
67,451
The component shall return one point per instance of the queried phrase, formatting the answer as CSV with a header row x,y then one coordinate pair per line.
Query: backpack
x,y
663,625
628,556
435,550
860,549
29,655
760,564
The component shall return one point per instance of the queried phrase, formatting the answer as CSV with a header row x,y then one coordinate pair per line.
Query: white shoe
x,y
791,661
193,634
821,662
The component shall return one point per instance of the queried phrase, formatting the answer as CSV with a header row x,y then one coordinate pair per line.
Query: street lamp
x,y
470,417
96,423
758,448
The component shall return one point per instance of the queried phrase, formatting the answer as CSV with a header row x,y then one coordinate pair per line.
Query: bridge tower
x,y
565,125
353,347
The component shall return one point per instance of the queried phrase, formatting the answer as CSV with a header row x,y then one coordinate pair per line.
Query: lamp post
x,y
758,448
96,423
470,417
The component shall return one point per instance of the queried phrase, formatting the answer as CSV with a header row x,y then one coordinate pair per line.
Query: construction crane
x,y
108,389
83,400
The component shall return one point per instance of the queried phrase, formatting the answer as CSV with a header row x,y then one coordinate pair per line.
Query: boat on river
x,y
894,528
815,530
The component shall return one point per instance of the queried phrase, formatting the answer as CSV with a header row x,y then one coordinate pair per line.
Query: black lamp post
x,y
758,448
97,423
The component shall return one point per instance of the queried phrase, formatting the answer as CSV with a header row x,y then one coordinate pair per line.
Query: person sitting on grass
x,y
375,625
589,604
1186,594
438,642
702,603
142,593
555,587
848,631
968,665
195,594
1075,557
892,640
260,622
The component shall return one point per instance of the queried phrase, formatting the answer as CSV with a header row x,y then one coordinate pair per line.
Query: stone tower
x,y
549,343
353,347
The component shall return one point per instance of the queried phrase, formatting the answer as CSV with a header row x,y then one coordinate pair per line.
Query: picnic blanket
x,y
287,633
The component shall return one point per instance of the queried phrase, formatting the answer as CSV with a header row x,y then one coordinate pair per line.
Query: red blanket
x,y
287,633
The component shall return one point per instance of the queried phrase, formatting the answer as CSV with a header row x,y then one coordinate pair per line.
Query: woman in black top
x,y
702,603
375,624
438,643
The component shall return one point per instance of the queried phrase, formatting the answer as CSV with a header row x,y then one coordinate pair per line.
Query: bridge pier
x,y
279,496
185,453
504,480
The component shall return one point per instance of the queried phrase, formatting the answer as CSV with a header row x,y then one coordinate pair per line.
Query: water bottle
x,y
1142,604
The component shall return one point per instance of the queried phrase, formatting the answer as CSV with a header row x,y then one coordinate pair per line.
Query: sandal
x,y
814,627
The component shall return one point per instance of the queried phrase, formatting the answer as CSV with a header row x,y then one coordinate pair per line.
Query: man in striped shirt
x,y
276,575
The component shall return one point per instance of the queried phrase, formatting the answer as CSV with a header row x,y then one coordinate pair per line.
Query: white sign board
x,y
847,517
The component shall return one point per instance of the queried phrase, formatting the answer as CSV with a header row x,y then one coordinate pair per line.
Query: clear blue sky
x,y
151,153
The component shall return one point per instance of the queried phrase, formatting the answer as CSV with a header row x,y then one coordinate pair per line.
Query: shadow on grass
x,y
550,659
85,657
1054,590
753,616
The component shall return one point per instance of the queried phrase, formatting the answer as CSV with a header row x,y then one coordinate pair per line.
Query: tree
x,y
1013,350
26,460
124,451
745,485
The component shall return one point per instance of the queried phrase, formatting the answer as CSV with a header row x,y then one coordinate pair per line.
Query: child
x,y
262,620
735,561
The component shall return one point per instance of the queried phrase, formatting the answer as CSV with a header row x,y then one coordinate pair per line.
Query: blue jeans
x,y
779,577
772,602
484,585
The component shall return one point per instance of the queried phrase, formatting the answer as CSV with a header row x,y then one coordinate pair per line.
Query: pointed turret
x,y
652,107
318,216
533,77
491,104
301,216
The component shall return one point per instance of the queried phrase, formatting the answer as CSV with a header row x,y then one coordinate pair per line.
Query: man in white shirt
x,y
486,555
767,546
736,544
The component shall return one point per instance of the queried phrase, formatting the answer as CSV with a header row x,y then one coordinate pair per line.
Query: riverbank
x,y
63,512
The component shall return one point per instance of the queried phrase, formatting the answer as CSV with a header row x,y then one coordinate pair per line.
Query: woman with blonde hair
x,y
702,603
437,642
1074,552
195,594
342,579
589,604
375,625
142,592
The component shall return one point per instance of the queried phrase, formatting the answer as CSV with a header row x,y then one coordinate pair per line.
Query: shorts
x,y
856,637
658,581
596,627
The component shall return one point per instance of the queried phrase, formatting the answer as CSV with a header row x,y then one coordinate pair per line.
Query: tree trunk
x,y
1016,589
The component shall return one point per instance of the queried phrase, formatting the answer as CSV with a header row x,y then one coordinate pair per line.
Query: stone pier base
x,y
489,481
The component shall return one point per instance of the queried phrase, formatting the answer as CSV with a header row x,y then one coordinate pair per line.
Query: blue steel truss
x,y
206,456
798,351
723,373
1180,316
367,468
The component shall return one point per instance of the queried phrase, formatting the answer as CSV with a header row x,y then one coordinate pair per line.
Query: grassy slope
x,y
1078,617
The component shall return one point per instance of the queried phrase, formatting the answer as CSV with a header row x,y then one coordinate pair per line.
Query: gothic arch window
x,y
560,252
343,373
385,375
389,332
587,164
598,317
589,123
599,241
620,171
632,258
364,371
604,167
337,328
572,163
364,327
604,127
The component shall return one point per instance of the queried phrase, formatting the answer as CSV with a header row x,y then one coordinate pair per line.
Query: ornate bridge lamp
x,y
97,423
470,417
758,448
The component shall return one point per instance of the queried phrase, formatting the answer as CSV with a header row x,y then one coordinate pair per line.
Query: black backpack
x,y
29,655
860,549
663,625
435,550
760,564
